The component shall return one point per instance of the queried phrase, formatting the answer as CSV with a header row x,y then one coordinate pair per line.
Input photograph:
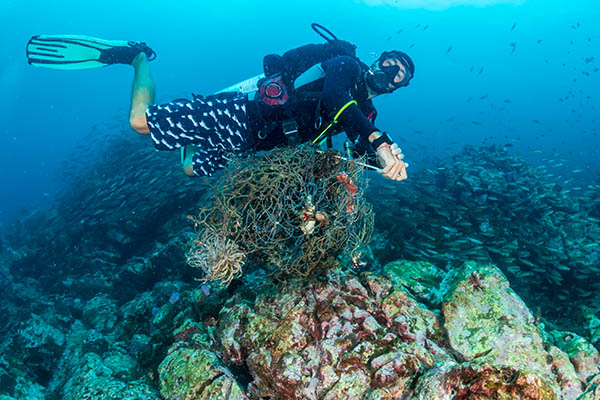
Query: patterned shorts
x,y
217,124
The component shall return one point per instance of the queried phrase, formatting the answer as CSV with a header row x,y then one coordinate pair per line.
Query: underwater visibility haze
x,y
296,274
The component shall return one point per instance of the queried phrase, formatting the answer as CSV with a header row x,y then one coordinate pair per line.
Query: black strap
x,y
329,142
318,27
384,138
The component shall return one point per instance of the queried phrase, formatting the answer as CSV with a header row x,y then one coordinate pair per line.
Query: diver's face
x,y
390,62
386,76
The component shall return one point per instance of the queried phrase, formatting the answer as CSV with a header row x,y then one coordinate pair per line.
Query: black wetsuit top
x,y
342,83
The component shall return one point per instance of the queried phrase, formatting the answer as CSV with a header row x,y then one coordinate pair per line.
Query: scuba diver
x,y
308,94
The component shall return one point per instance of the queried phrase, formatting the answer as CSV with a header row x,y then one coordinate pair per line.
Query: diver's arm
x,y
142,94
341,75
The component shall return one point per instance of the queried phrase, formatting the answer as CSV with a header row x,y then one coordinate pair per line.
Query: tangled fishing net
x,y
293,212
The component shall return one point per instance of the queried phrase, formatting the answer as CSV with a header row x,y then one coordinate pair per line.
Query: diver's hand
x,y
392,162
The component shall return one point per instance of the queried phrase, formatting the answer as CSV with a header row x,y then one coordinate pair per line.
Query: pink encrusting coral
x,y
341,336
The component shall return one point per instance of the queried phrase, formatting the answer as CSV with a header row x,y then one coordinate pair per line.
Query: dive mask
x,y
380,77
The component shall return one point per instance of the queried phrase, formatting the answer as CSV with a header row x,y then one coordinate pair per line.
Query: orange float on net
x,y
347,182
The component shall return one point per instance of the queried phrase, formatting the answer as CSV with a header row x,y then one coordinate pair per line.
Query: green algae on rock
x,y
421,278
487,321
194,374
592,391
592,324
94,379
582,354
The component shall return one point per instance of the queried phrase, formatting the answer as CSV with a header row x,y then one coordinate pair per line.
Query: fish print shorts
x,y
217,124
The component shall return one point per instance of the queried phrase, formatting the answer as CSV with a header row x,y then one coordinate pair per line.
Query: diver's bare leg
x,y
142,94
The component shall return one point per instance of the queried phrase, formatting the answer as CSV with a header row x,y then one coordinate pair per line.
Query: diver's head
x,y
392,70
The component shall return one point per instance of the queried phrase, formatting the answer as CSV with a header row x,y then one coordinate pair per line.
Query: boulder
x,y
422,279
40,342
196,373
105,379
338,337
100,313
487,322
370,336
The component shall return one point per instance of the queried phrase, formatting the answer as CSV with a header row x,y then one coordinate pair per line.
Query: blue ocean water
x,y
517,72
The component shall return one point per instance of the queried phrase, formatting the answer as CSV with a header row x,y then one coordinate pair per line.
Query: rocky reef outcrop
x,y
371,336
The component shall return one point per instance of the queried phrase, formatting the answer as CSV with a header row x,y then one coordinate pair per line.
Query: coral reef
x,y
99,302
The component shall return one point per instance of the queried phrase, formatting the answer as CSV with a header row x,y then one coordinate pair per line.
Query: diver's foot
x,y
126,54
140,58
